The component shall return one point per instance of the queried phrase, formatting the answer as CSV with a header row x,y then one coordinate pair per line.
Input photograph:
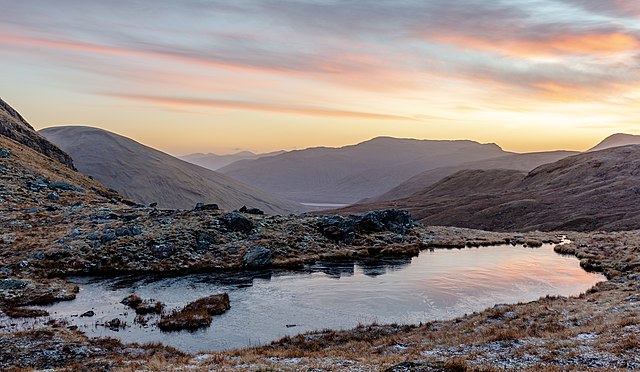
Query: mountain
x,y
351,173
215,161
13,126
615,140
148,175
520,162
597,190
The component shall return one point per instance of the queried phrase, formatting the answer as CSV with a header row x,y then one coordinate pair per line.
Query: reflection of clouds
x,y
436,285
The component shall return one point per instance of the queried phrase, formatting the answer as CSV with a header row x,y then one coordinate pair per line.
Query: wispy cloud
x,y
255,106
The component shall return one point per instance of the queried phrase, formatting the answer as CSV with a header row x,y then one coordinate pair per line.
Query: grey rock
x,y
236,222
257,211
53,196
12,284
393,220
206,207
64,186
162,250
108,236
5,154
204,240
128,231
337,228
257,257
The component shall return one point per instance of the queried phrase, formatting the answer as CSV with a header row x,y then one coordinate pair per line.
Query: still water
x,y
437,284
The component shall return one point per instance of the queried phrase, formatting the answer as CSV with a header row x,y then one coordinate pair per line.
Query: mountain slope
x,y
520,162
592,191
148,175
616,140
351,173
13,126
214,161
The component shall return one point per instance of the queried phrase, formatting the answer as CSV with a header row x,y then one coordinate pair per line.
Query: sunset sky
x,y
205,75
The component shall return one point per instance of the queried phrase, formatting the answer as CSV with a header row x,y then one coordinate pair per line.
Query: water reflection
x,y
437,284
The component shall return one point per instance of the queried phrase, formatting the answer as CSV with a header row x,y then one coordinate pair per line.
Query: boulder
x,y
64,186
88,314
236,222
206,207
393,220
337,229
257,257
257,211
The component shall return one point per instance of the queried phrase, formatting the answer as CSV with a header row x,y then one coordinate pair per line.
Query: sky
x,y
189,76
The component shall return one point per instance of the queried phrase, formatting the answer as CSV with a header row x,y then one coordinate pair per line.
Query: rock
x,y
6,284
337,228
257,211
5,154
87,314
115,324
204,240
206,207
257,257
162,250
215,305
64,186
38,184
236,222
393,220
128,231
153,205
108,236
53,196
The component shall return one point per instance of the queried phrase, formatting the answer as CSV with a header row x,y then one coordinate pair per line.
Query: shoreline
x,y
461,340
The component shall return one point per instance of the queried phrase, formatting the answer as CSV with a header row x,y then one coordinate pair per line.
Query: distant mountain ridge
x,y
616,140
520,162
597,190
15,127
148,175
214,161
348,174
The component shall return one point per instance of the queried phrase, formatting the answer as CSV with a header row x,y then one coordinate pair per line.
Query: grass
x,y
21,312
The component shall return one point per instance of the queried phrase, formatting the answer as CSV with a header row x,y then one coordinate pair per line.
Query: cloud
x,y
560,44
617,8
255,106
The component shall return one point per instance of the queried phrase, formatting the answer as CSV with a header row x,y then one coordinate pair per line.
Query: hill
x,y
214,161
616,140
148,175
520,162
13,126
350,173
592,191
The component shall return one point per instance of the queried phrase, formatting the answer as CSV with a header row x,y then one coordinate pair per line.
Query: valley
x,y
73,247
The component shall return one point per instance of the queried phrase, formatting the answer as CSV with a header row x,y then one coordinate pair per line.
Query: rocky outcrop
x,y
13,126
344,229
236,222
257,257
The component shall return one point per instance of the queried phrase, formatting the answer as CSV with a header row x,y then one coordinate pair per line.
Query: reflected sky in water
x,y
437,284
